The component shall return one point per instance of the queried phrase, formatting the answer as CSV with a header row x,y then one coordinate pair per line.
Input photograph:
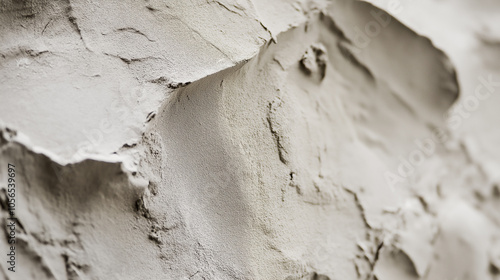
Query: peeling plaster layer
x,y
242,140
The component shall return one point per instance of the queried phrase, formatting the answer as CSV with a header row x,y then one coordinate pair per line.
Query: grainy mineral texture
x,y
250,139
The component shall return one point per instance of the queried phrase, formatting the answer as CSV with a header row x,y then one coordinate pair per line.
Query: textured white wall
x,y
250,139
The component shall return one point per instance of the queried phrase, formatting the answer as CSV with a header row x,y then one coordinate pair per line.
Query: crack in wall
x,y
272,124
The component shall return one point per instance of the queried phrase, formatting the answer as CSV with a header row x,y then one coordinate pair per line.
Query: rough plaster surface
x,y
251,139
